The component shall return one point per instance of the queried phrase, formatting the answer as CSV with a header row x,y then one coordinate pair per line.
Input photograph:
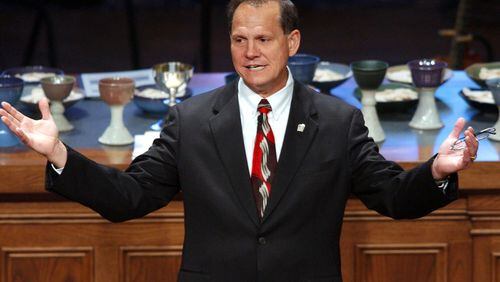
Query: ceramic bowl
x,y
369,74
10,89
116,90
155,104
58,87
473,72
494,86
481,105
427,73
303,67
343,71
32,74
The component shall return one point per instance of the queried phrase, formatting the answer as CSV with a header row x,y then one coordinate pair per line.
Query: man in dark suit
x,y
258,207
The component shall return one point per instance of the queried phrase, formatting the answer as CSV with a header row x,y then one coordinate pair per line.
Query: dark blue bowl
x,y
10,89
156,106
303,67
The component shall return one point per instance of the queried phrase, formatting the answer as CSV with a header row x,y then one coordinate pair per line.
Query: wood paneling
x,y
385,263
368,244
495,267
150,263
47,264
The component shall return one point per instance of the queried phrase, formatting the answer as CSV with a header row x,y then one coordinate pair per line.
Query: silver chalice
x,y
170,77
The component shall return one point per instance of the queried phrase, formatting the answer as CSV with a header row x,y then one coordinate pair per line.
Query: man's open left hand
x,y
449,161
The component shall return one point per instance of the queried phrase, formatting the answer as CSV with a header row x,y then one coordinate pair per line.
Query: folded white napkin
x,y
143,142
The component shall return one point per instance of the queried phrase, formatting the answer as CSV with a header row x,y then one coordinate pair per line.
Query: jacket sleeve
x,y
385,187
148,184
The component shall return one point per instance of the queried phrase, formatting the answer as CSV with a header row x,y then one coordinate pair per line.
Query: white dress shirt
x,y
278,117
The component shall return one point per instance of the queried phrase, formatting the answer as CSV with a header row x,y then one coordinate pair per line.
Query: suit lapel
x,y
295,144
227,133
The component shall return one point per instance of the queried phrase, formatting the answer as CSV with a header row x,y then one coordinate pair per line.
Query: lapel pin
x,y
301,127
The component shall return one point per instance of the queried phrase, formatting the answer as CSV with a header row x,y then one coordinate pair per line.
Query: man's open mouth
x,y
255,67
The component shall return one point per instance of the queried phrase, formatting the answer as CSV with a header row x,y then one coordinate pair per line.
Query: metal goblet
x,y
170,77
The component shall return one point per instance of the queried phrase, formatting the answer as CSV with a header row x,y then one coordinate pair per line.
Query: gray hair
x,y
289,17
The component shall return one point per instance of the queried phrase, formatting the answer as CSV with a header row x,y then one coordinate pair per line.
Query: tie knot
x,y
264,107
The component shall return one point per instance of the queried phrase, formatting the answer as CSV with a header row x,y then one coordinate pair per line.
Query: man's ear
x,y
293,42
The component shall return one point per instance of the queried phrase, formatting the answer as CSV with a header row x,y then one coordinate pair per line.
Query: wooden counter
x,y
45,238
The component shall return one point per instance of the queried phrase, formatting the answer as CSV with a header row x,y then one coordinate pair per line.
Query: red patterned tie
x,y
264,159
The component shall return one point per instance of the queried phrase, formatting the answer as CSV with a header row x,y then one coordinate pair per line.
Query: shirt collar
x,y
279,100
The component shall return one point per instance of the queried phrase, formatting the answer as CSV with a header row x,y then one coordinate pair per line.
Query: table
x,y
403,144
42,233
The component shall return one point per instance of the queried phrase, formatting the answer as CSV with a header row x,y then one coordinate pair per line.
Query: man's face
x,y
260,48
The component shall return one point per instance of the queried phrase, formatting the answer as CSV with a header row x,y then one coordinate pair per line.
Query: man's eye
x,y
264,40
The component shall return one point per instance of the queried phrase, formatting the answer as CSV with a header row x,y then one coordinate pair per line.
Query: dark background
x,y
100,35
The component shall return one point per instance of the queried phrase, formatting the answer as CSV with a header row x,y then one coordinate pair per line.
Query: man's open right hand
x,y
40,135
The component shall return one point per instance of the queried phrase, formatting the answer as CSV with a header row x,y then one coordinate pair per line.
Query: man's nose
x,y
252,50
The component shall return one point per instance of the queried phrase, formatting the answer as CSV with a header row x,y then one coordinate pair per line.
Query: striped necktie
x,y
264,159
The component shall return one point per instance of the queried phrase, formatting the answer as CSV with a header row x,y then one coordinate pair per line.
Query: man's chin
x,y
259,88
254,82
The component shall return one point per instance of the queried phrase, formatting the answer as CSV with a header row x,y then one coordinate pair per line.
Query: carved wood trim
x,y
439,250
6,253
486,218
79,218
484,232
443,214
126,252
495,256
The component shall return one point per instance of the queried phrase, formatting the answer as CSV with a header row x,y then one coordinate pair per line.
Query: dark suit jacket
x,y
201,152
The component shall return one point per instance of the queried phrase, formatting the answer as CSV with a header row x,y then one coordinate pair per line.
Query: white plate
x,y
31,100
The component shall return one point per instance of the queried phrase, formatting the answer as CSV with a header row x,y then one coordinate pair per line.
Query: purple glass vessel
x,y
426,73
